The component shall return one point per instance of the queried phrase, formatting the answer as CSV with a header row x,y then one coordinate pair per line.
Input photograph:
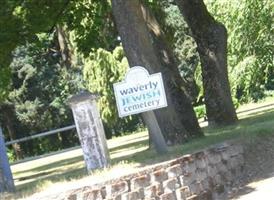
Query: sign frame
x,y
135,75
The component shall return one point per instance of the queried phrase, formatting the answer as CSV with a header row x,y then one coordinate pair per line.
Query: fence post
x,y
6,179
90,130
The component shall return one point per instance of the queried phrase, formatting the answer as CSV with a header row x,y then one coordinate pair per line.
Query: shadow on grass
x,y
43,176
253,125
33,176
134,139
52,165
257,120
258,117
128,146
36,184
257,108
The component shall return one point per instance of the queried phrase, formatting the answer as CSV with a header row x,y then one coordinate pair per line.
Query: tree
x,y
19,22
9,38
92,25
146,47
9,120
88,20
211,39
168,61
177,35
101,70
40,87
251,48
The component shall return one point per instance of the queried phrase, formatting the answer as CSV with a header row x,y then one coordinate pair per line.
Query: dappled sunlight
x,y
37,174
128,139
128,154
54,174
97,176
53,158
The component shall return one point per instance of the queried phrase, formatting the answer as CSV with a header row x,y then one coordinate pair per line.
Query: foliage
x,y
179,39
19,21
200,111
102,69
37,84
251,47
89,20
39,91
8,40
11,155
38,100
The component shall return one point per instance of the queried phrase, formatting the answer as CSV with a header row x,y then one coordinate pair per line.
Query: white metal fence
x,y
37,135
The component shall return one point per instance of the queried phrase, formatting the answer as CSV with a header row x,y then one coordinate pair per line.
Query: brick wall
x,y
207,174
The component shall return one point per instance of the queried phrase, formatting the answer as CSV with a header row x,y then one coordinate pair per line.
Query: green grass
x,y
131,152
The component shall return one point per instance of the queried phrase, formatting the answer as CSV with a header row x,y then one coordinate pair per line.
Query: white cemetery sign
x,y
139,92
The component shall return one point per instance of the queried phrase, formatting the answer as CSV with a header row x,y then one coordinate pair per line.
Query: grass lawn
x,y
131,152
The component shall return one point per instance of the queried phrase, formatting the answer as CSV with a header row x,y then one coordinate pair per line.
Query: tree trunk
x,y
169,66
7,111
64,46
146,47
211,39
67,58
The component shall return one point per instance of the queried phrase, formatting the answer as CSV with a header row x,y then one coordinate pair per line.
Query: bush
x,y
200,111
101,70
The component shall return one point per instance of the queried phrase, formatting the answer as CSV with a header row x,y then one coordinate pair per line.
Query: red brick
x,y
92,195
189,167
196,187
206,195
117,188
168,196
133,195
72,197
182,192
153,191
187,158
187,179
193,197
171,185
174,171
140,182
158,176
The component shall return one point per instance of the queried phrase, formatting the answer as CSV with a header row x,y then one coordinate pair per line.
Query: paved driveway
x,y
259,190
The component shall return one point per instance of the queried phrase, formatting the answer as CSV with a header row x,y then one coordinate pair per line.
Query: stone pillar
x,y
6,179
90,130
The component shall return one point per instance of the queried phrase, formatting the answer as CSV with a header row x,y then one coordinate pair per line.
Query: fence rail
x,y
41,135
73,126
